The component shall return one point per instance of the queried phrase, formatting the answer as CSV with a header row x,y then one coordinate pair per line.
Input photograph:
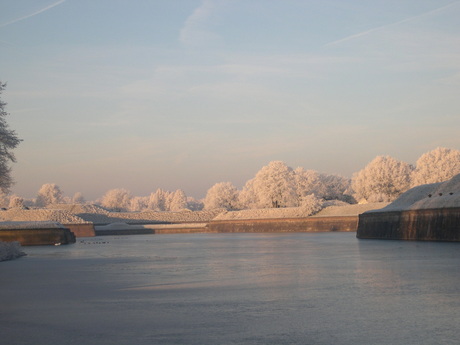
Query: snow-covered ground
x,y
30,225
430,196
41,214
10,251
349,210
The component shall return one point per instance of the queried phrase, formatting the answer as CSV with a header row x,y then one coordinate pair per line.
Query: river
x,y
293,288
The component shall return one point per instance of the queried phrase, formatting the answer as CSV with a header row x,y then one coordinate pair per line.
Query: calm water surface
x,y
301,288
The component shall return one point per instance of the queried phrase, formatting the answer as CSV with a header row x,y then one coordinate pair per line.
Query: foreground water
x,y
302,288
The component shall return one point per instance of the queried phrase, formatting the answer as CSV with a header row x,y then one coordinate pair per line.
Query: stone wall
x,y
442,224
311,224
38,237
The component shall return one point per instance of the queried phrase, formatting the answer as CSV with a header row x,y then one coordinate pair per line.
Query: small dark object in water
x,y
429,195
440,194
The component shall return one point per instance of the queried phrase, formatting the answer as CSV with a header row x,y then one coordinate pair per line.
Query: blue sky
x,y
184,94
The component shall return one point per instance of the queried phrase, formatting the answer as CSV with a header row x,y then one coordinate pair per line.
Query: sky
x,y
148,94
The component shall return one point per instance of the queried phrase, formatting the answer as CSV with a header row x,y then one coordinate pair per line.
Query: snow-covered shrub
x,y
10,251
311,204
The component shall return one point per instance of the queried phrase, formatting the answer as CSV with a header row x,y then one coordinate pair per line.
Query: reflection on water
x,y
304,288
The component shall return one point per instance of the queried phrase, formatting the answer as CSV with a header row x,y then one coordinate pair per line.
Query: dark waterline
x,y
296,288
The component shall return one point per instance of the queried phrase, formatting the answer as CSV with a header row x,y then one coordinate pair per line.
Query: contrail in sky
x,y
32,14
389,25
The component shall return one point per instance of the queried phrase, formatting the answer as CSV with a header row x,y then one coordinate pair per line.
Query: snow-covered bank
x,y
429,196
10,251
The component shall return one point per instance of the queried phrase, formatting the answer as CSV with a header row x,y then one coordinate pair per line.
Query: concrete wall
x,y
426,225
312,224
38,237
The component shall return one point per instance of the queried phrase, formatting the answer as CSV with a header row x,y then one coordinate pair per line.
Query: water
x,y
296,288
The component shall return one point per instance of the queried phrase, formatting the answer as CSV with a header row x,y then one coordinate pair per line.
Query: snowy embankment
x,y
430,196
10,251
98,215
349,210
331,209
41,214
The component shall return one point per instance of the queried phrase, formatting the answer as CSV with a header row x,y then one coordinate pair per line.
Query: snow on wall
x,y
11,225
10,251
429,196
349,210
41,214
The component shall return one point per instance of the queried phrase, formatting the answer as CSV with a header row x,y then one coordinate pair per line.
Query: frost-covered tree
x,y
8,142
307,182
157,200
49,193
178,201
193,204
221,195
273,186
138,203
116,199
383,179
311,204
16,202
334,187
438,165
78,198
323,186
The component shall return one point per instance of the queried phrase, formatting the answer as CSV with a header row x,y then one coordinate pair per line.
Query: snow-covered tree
x,y
334,187
138,203
307,182
4,199
178,201
8,142
49,193
78,198
438,165
221,195
157,200
383,179
193,204
116,199
311,204
273,186
16,202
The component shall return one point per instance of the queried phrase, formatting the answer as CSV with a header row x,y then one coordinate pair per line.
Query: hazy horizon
x,y
182,95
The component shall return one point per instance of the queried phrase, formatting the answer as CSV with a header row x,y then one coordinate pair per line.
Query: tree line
x,y
278,185
274,185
